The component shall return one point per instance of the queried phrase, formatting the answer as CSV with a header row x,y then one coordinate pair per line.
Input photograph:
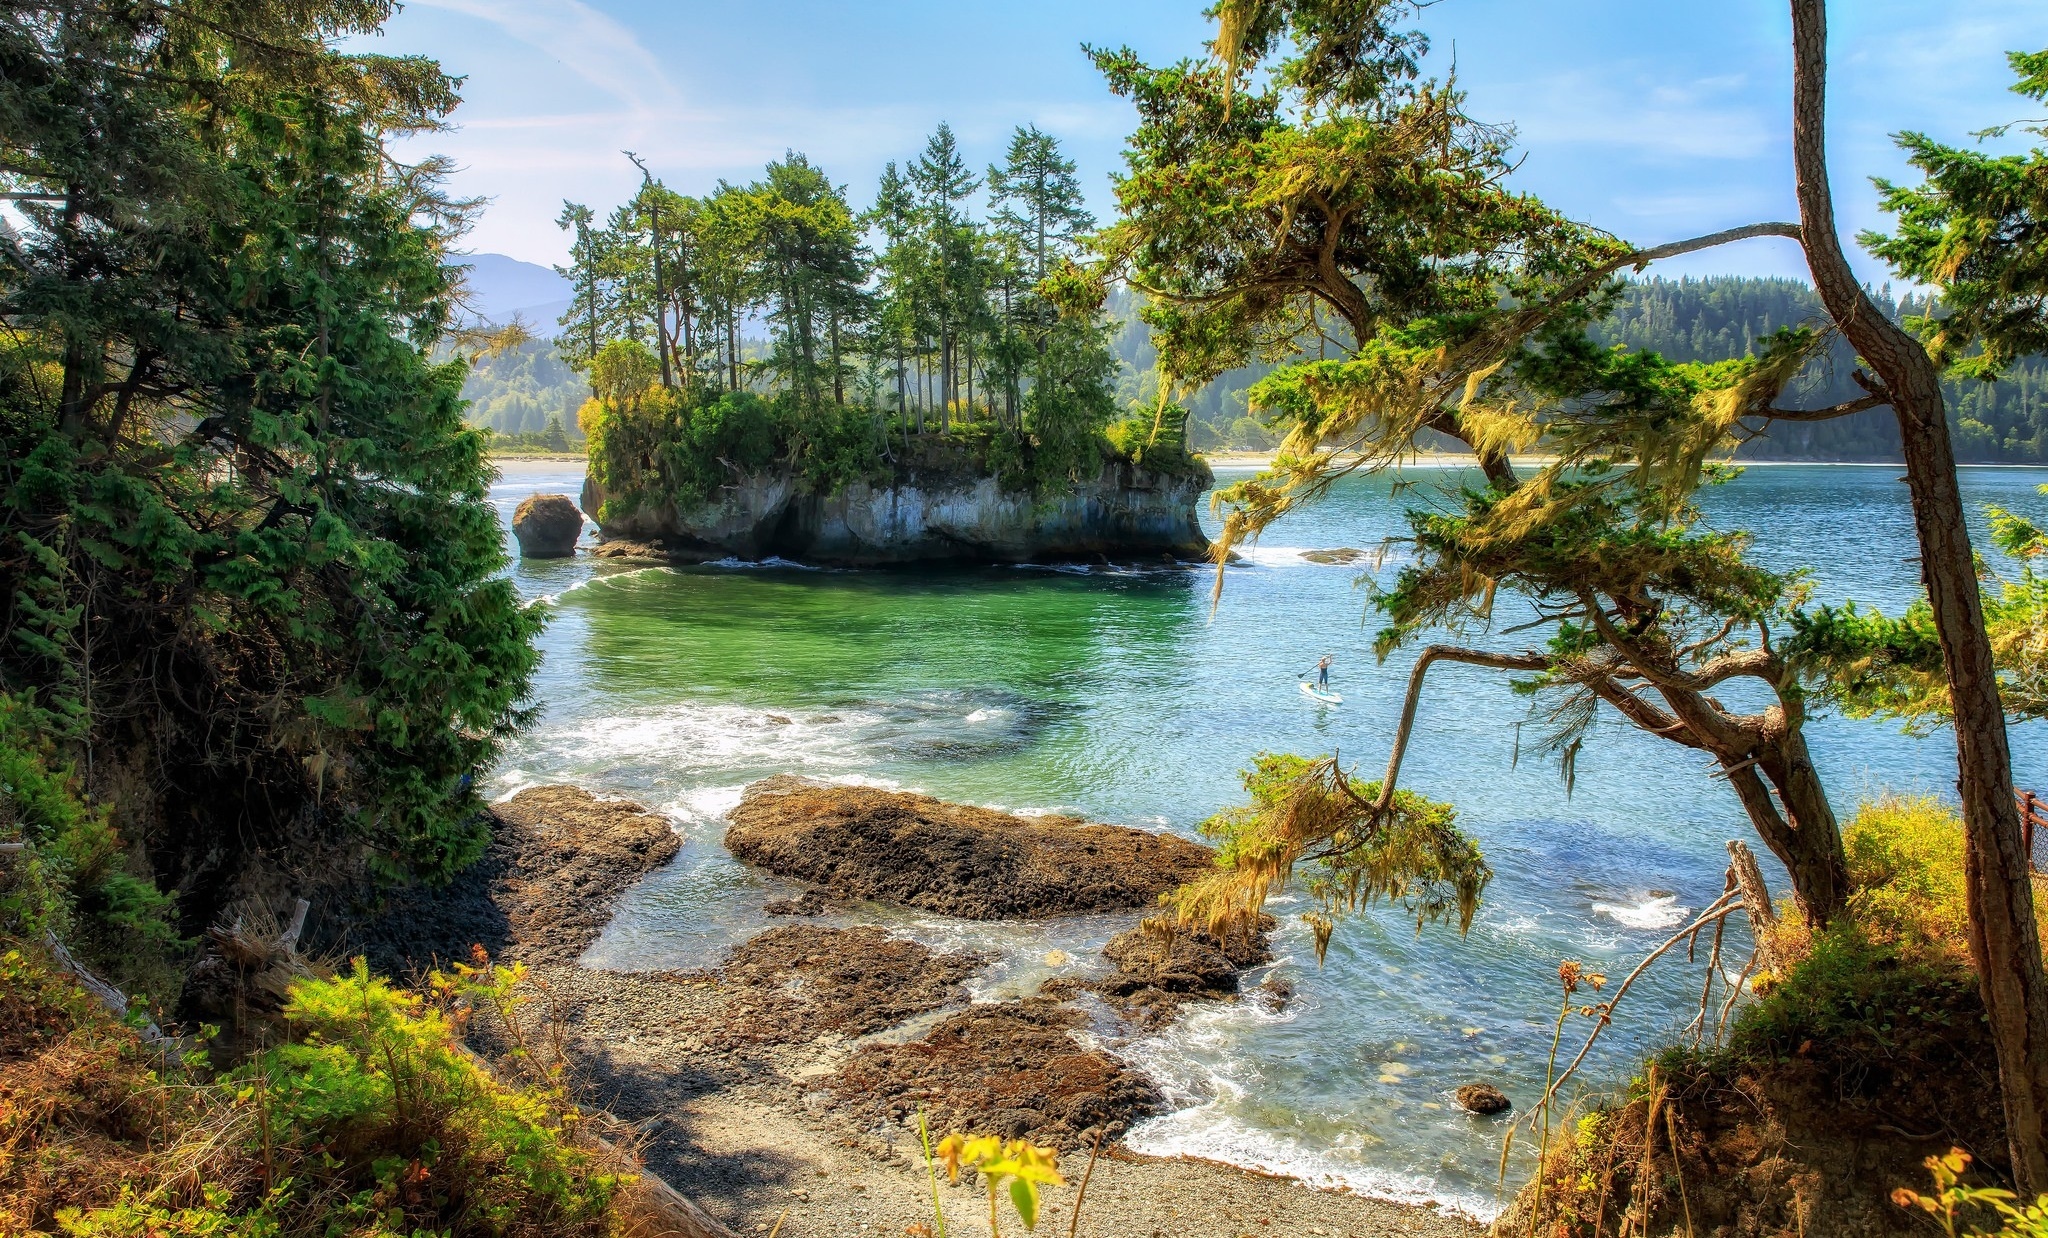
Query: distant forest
x,y
1710,319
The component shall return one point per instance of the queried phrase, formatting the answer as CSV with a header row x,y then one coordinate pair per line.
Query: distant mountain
x,y
500,287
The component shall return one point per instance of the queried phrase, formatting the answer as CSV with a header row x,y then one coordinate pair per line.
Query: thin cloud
x,y
1707,118
589,44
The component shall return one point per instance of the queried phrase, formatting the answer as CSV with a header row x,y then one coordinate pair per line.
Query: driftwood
x,y
654,1209
106,994
1756,899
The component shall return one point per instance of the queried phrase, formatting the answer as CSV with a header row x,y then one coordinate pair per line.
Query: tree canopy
x,y
250,575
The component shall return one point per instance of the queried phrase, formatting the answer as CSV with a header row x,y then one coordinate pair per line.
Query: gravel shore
x,y
752,1135
784,1086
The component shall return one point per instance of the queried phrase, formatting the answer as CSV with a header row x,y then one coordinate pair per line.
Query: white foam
x,y
1653,912
1209,1133
1274,556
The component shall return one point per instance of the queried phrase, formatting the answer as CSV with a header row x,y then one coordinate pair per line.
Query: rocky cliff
x,y
1125,512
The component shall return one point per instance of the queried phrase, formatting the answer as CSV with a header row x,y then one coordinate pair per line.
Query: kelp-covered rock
x,y
1124,512
547,526
796,983
1483,1098
1157,972
955,859
559,858
1012,1069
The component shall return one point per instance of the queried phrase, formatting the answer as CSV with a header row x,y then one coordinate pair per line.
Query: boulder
x,y
954,859
1157,973
547,526
1483,1098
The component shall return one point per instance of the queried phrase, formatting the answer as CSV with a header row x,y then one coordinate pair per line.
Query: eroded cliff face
x,y
1123,513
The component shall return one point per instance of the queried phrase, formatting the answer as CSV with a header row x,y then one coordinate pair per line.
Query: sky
x,y
1653,119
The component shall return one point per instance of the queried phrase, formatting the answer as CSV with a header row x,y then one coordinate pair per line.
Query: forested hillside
x,y
523,389
1715,319
1711,319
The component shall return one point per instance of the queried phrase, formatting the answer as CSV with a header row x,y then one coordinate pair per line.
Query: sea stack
x,y
547,526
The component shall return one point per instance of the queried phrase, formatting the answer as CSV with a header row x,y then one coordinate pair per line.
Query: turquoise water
x,y
1116,694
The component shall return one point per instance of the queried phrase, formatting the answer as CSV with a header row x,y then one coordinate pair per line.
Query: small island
x,y
945,501
930,388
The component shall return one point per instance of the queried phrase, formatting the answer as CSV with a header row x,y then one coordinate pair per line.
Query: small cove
x,y
1116,695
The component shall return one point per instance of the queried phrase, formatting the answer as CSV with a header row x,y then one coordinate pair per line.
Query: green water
x,y
1116,694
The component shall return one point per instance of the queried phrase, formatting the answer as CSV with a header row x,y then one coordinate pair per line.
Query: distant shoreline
x,y
540,457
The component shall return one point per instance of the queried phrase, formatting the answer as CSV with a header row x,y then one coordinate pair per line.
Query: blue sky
x,y
1655,119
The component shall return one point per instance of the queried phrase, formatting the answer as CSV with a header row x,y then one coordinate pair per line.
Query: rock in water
x,y
547,526
1483,1098
915,851
1155,973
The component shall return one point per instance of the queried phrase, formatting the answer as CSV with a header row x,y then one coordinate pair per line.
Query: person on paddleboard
x,y
1323,672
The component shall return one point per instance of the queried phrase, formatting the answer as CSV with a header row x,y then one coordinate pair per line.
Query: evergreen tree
x,y
1038,199
247,558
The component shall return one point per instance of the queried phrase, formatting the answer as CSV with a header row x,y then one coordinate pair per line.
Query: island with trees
x,y
919,395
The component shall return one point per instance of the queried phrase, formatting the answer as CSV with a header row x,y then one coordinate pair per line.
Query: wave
x,y
1653,911
1207,1132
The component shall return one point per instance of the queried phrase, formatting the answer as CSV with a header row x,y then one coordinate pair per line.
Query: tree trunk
x,y
660,298
838,386
2004,943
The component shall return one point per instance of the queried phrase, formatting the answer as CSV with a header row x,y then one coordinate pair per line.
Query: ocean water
x,y
1118,695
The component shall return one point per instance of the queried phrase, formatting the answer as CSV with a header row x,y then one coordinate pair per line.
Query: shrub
x,y
72,879
372,1122
1906,863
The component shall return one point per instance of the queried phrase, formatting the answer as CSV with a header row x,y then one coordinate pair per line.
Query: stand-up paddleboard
x,y
1324,695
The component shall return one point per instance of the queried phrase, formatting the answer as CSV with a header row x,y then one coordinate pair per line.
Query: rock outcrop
x,y
794,984
559,857
1123,513
954,859
1157,973
1012,1069
547,526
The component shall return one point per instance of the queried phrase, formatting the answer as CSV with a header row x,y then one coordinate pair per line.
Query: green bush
x,y
371,1122
72,879
1906,863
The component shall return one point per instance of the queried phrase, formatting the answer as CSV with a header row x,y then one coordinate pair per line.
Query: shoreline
x,y
748,1139
1235,460
734,1086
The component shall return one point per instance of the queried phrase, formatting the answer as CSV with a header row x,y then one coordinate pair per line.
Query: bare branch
x,y
1443,653
1644,257
1722,907
1843,409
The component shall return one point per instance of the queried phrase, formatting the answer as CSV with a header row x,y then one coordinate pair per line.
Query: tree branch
x,y
1443,653
1829,413
1644,257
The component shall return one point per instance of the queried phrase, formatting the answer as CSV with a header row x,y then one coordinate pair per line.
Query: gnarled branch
x,y
1443,653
